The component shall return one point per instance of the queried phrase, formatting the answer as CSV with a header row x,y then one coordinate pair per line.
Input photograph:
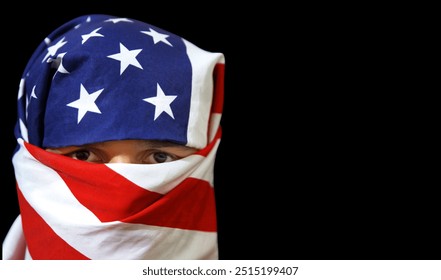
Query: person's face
x,y
126,151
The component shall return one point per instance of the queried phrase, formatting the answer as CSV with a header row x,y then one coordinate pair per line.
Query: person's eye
x,y
84,155
161,157
80,155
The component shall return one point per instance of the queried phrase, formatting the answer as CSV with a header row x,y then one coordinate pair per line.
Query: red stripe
x,y
191,205
218,98
111,197
42,241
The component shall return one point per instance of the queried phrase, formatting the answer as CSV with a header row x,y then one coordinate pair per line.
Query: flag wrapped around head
x,y
101,78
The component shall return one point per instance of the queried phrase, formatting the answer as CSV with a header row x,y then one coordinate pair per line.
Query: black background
x,y
311,163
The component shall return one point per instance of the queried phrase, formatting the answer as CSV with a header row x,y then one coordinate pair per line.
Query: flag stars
x,y
28,100
33,95
86,103
116,20
126,57
57,63
21,85
52,50
162,102
94,33
60,67
158,37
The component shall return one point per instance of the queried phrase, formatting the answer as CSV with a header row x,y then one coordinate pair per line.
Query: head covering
x,y
100,78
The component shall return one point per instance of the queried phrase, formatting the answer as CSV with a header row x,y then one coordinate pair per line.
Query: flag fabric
x,y
100,78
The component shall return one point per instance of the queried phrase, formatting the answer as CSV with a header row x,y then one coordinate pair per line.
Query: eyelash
x,y
79,155
75,153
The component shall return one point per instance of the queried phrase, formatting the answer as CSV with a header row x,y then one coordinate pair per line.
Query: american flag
x,y
99,78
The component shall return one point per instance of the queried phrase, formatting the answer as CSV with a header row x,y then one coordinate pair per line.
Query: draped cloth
x,y
102,78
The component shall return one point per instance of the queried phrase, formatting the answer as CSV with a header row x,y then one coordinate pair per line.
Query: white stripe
x,y
214,125
202,63
161,178
23,131
14,244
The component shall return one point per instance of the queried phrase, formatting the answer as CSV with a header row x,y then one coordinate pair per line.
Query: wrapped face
x,y
117,87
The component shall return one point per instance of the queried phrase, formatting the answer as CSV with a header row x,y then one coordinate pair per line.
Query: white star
x,y
28,101
60,67
21,87
33,95
162,102
116,20
57,63
90,35
79,24
52,50
126,57
86,103
157,37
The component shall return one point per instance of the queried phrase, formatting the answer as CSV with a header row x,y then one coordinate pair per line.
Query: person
x,y
117,133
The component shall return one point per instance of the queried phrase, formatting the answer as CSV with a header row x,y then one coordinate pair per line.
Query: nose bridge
x,y
122,158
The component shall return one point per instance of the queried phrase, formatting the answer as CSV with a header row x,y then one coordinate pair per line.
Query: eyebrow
x,y
156,144
161,144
